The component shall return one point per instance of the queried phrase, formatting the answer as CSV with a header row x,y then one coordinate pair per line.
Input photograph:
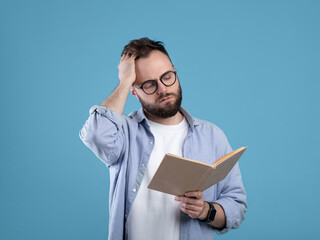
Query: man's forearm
x,y
117,100
220,218
127,75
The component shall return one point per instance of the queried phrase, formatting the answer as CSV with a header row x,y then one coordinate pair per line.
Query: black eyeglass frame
x,y
156,82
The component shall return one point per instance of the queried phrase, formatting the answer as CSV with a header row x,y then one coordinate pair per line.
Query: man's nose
x,y
161,87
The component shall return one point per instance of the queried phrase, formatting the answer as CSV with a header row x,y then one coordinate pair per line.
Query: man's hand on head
x,y
126,68
193,204
127,75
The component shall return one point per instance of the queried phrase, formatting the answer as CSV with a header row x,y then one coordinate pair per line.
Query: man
x,y
133,147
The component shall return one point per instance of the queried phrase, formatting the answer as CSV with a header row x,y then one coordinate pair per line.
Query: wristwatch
x,y
211,214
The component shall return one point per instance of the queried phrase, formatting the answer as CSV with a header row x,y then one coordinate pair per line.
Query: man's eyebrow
x,y
150,80
159,77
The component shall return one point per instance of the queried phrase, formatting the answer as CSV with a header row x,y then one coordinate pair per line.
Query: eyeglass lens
x,y
150,86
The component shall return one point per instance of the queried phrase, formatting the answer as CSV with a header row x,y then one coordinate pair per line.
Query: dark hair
x,y
143,46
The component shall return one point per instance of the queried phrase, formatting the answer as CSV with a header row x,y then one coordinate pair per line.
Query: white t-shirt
x,y
155,215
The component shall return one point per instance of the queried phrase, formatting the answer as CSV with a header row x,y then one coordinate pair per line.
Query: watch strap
x,y
211,213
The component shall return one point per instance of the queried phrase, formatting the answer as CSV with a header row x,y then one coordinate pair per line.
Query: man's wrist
x,y
126,84
205,211
211,213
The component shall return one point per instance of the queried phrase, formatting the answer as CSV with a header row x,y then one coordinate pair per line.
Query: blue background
x,y
251,67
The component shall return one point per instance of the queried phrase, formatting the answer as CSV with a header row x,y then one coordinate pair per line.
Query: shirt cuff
x,y
229,210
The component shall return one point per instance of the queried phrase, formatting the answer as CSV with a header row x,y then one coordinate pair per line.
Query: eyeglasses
x,y
151,86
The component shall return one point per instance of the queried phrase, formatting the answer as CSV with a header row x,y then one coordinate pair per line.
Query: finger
x,y
195,194
127,56
192,201
192,214
123,57
186,206
134,55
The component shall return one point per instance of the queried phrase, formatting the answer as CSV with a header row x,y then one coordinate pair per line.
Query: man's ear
x,y
133,91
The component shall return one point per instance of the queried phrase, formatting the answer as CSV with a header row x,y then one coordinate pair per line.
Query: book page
x,y
176,175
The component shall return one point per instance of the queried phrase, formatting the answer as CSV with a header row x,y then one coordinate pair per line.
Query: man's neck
x,y
176,119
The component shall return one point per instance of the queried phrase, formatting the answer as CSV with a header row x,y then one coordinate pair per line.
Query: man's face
x,y
166,101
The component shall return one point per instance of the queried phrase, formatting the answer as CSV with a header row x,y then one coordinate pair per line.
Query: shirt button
x,y
150,142
142,165
134,190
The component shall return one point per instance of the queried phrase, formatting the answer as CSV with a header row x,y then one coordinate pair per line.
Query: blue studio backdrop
x,y
250,67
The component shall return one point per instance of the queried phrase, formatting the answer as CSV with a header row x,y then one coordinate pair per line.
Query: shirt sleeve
x,y
232,196
103,134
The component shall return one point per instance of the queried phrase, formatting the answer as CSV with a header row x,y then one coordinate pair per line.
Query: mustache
x,y
162,96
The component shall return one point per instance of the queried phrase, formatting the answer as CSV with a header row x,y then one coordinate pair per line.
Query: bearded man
x,y
133,146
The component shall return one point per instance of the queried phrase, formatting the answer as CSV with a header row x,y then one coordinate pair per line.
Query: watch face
x,y
212,213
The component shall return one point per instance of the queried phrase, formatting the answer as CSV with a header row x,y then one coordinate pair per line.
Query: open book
x,y
177,175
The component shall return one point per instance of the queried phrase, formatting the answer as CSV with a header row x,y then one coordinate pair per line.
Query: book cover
x,y
177,175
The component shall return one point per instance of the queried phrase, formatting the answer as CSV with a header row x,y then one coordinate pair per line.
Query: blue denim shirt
x,y
124,144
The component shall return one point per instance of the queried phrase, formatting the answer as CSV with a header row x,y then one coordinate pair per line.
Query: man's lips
x,y
165,99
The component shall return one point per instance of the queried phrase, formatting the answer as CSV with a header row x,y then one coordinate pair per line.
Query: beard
x,y
169,109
